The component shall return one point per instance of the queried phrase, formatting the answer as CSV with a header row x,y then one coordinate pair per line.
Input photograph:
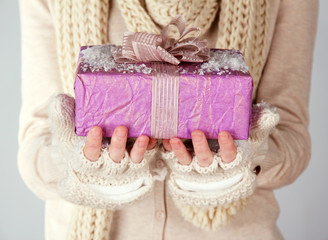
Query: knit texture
x,y
202,176
208,196
90,223
101,184
210,218
243,25
156,14
78,23
86,181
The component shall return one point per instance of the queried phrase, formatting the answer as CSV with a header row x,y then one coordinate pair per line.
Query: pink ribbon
x,y
145,47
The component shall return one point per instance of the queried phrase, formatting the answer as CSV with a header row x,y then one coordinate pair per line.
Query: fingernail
x,y
95,132
142,143
120,133
223,137
197,137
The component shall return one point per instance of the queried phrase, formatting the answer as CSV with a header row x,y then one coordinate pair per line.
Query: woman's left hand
x,y
201,148
209,185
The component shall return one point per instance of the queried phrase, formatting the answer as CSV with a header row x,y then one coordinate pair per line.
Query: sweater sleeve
x,y
285,84
40,80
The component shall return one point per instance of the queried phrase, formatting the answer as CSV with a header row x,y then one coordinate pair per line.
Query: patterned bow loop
x,y
145,47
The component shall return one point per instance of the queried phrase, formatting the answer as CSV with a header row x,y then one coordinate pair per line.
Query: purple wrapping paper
x,y
212,97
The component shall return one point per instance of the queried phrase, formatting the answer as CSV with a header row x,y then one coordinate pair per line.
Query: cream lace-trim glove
x,y
208,196
102,183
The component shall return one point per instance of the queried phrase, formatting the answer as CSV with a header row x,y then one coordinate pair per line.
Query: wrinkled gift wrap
x,y
213,96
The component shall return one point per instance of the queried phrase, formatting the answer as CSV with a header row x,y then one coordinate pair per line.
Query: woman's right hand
x,y
116,149
99,175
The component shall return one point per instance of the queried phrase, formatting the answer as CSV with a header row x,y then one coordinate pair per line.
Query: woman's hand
x,y
116,149
210,185
98,174
201,148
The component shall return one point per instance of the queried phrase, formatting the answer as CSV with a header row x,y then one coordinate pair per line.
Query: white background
x,y
303,204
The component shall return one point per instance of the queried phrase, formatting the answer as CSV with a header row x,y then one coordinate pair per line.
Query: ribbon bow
x,y
145,47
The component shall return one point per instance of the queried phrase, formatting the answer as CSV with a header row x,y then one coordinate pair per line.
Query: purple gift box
x,y
212,96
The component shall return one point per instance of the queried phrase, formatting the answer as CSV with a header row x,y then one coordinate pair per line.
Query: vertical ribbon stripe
x,y
165,99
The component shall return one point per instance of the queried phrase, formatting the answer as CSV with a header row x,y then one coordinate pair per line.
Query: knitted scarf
x,y
243,25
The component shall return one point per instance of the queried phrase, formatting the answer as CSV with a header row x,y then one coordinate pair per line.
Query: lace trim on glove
x,y
108,167
205,170
182,168
167,155
211,169
172,160
149,154
115,166
233,164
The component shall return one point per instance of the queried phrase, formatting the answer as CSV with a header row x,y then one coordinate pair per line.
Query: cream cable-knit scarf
x,y
243,25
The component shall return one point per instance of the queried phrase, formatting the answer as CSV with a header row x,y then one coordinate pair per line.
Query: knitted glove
x,y
208,196
97,184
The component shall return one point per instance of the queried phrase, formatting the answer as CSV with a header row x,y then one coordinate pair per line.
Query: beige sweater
x,y
285,84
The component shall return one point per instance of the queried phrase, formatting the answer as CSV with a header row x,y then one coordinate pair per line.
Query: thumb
x,y
61,117
264,119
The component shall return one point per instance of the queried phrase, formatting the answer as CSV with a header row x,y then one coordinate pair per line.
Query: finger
x,y
227,147
93,142
118,143
167,145
202,150
152,143
139,148
180,151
